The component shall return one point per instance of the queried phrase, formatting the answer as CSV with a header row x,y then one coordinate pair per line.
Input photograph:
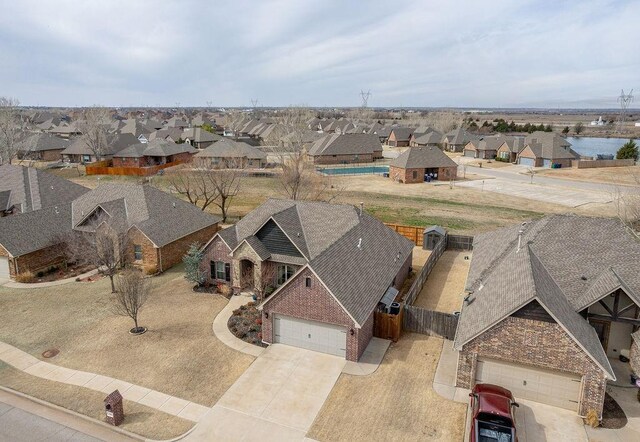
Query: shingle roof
x,y
34,189
423,157
328,235
41,142
429,138
116,143
346,144
200,135
577,259
160,216
5,199
402,133
157,147
550,145
227,148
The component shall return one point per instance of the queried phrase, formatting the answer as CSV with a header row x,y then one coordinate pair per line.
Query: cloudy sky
x,y
488,53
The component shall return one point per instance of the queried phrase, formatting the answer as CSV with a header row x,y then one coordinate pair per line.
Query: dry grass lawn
x,y
396,403
445,284
139,419
609,175
179,355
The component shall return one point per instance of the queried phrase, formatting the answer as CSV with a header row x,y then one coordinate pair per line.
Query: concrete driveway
x,y
277,398
539,422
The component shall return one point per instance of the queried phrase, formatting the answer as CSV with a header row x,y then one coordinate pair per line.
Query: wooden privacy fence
x,y
418,283
412,233
387,326
429,322
101,169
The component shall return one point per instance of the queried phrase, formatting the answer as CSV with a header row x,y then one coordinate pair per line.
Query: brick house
x,y
79,152
432,138
415,163
345,149
548,304
156,152
319,271
455,140
546,149
43,147
228,153
400,136
486,147
159,228
508,151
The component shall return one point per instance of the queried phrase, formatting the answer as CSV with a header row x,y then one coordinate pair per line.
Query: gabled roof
x,y
346,144
565,262
423,157
160,216
227,148
41,142
157,147
550,145
328,235
115,143
33,189
199,135
428,138
402,133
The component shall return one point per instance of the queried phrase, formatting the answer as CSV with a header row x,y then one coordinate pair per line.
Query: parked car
x,y
492,417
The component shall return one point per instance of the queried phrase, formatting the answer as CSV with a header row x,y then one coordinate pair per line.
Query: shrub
x,y
628,151
255,328
150,269
259,336
243,307
225,290
592,418
259,321
251,304
25,277
237,312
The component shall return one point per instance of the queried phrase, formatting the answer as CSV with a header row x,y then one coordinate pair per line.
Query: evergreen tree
x,y
192,260
629,150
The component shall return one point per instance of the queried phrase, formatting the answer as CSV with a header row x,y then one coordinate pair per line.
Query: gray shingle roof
x,y
577,259
429,138
423,157
402,133
199,135
227,148
42,142
160,216
550,145
116,143
33,189
346,144
157,147
328,236
5,200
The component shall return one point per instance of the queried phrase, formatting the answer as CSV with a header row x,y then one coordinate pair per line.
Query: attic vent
x,y
174,205
584,278
360,243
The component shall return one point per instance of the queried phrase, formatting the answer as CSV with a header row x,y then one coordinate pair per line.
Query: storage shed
x,y
432,235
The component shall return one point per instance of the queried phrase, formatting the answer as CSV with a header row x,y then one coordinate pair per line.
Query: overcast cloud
x,y
510,53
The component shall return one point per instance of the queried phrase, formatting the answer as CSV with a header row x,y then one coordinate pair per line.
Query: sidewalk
x,y
135,393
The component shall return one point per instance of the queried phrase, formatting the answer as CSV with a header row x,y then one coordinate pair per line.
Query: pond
x,y
591,146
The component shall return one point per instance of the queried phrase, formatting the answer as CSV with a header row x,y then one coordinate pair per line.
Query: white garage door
x,y
312,335
549,387
527,162
4,267
470,153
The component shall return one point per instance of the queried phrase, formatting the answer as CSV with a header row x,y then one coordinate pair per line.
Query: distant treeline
x,y
500,125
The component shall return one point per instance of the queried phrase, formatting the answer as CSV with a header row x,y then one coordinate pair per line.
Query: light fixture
x,y
351,332
266,315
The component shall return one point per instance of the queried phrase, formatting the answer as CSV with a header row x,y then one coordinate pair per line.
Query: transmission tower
x,y
624,100
365,97
254,103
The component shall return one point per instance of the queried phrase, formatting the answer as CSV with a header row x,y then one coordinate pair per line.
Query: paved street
x,y
564,192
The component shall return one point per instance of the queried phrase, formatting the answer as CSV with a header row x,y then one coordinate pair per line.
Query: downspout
x,y
160,259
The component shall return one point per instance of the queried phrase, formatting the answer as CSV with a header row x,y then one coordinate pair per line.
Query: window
x,y
284,273
220,270
86,158
307,281
415,174
137,252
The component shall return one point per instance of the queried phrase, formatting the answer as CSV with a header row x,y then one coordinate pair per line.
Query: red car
x,y
492,416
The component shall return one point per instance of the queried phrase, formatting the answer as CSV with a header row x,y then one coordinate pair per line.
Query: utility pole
x,y
624,100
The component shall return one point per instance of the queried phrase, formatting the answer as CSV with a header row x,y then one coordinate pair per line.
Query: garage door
x,y
549,387
527,162
470,153
312,335
4,267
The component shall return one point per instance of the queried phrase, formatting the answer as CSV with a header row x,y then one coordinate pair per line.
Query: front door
x,y
602,330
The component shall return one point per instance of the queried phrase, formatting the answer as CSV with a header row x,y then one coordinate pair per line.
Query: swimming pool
x,y
354,170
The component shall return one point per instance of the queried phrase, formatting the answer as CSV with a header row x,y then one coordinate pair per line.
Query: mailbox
x,y
113,408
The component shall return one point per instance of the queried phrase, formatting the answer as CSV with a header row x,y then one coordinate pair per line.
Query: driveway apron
x,y
277,398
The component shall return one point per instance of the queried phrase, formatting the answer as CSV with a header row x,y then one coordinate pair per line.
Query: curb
x,y
89,419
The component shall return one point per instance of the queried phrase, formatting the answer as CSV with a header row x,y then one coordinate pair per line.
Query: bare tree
x,y
298,179
267,282
95,130
217,185
132,292
100,243
12,129
443,121
627,201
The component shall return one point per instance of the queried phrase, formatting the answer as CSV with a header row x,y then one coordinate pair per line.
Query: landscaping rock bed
x,y
246,323
613,416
